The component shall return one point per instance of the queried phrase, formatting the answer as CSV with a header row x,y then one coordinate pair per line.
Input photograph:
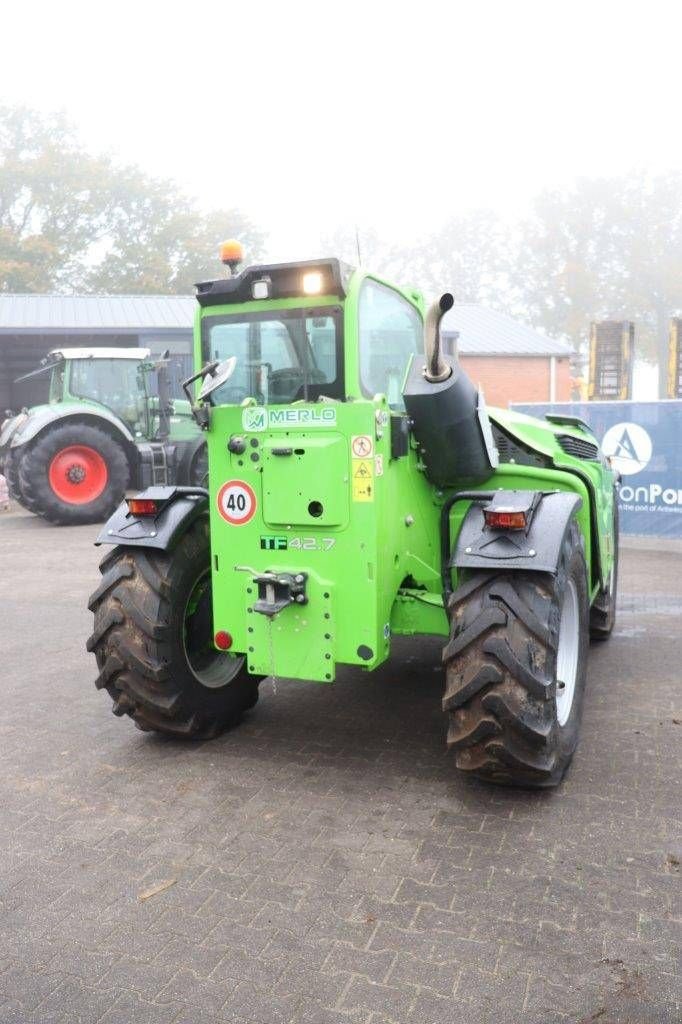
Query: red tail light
x,y
497,520
222,640
142,506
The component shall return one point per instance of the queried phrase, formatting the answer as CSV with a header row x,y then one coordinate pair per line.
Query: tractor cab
x,y
114,378
309,331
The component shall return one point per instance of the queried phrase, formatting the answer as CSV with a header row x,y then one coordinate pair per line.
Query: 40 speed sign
x,y
237,502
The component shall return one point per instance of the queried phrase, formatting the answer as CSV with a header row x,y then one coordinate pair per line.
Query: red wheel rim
x,y
78,474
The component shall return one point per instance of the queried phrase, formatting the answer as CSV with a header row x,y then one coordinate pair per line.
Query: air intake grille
x,y
578,448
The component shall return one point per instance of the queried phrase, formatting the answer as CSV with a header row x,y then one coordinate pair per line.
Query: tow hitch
x,y
277,590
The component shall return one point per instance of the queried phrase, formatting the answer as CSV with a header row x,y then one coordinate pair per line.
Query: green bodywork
x,y
372,557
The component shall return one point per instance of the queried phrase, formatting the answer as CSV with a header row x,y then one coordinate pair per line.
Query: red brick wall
x,y
506,379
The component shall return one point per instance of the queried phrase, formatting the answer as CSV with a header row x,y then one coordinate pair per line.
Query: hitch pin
x,y
254,572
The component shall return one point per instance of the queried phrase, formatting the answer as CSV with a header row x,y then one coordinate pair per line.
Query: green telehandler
x,y
110,425
360,490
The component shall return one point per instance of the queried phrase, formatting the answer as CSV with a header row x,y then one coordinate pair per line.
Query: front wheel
x,y
516,666
153,640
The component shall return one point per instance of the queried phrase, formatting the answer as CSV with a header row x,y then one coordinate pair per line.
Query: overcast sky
x,y
308,115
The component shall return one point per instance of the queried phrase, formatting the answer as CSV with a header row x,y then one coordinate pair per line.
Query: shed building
x,y
31,325
507,358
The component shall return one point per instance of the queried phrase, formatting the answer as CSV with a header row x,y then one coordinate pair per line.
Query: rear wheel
x,y
153,640
515,670
198,471
73,473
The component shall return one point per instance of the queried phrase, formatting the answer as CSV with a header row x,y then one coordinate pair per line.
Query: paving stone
x,y
330,865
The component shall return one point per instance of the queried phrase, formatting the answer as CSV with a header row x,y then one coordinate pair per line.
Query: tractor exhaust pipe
x,y
436,369
447,413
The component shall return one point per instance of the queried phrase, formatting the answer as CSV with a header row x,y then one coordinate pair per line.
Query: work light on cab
x,y
312,282
261,289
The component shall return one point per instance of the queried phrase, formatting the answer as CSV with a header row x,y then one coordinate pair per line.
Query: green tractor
x,y
359,490
110,425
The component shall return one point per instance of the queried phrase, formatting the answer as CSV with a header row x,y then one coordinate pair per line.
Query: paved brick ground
x,y
328,865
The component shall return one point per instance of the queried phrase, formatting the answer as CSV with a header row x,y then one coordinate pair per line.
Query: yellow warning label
x,y
363,480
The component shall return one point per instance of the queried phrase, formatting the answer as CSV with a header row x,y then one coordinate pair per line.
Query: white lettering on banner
x,y
650,495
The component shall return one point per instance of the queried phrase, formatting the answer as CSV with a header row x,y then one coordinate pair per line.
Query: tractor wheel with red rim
x,y
74,473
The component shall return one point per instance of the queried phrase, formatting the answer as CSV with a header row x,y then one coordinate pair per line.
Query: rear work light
x,y
497,519
312,282
142,506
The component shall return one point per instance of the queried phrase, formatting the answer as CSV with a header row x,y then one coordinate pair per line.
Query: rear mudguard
x,y
179,508
538,550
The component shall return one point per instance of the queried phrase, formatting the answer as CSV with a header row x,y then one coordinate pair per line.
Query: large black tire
x,y
502,695
38,493
198,470
154,645
603,610
11,474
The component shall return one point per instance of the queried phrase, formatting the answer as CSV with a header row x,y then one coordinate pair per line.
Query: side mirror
x,y
215,378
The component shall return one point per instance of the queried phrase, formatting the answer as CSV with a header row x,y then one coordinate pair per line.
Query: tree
x,y
469,256
52,197
607,248
72,221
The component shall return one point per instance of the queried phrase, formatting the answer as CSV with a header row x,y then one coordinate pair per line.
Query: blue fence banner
x,y
644,442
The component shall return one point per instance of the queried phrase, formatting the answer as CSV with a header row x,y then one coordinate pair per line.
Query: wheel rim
x,y
567,653
78,474
210,667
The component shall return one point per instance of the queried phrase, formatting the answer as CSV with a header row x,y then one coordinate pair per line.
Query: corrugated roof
x,y
485,332
482,331
95,312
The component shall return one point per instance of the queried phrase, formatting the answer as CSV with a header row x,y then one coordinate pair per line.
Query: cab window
x,y
111,382
281,357
390,331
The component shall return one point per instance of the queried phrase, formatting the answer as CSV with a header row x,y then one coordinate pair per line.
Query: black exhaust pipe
x,y
448,414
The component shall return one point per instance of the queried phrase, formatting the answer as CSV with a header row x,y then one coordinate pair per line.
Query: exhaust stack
x,y
436,368
448,414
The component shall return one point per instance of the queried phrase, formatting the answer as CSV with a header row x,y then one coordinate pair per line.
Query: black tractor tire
x,y
11,474
37,490
603,610
502,694
156,658
198,470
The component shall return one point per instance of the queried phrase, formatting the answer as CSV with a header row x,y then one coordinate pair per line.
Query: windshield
x,y
282,355
111,382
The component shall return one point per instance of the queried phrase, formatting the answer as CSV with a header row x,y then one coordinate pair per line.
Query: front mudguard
x,y
538,549
10,430
179,508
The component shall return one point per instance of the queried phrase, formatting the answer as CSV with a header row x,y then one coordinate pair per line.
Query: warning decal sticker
x,y
237,502
362,446
363,479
